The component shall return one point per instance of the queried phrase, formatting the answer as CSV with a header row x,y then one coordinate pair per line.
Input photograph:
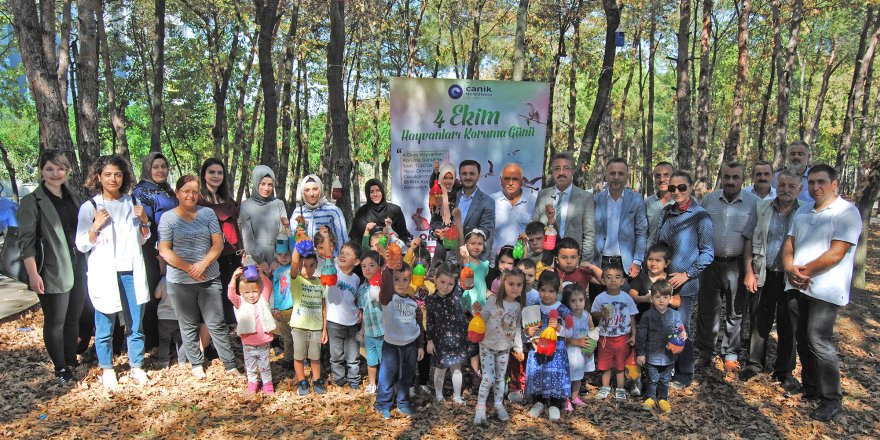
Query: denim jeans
x,y
396,372
658,381
814,326
344,352
132,315
684,364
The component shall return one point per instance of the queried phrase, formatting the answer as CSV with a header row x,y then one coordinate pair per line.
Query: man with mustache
x,y
764,235
818,259
729,210
798,156
762,180
655,203
513,207
570,209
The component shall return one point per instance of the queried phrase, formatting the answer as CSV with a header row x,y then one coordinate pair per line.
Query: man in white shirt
x,y
513,207
818,260
621,224
762,180
569,208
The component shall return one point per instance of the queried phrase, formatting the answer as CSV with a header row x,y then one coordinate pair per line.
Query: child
x,y
503,315
418,253
534,235
575,298
371,316
403,339
528,269
447,331
342,315
568,254
169,330
475,241
306,320
282,302
517,369
255,324
547,377
654,329
616,333
504,261
659,257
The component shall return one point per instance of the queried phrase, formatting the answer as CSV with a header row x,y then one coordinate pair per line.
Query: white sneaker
x,y
636,390
412,391
199,372
480,414
139,376
554,413
233,372
537,410
371,389
515,396
108,379
502,413
439,398
603,393
458,400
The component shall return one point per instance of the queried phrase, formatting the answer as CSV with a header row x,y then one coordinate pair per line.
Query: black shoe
x,y
303,388
747,374
826,411
791,385
318,386
355,386
64,376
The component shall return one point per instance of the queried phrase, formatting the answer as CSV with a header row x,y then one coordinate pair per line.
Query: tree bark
x,y
64,51
158,78
572,75
10,170
286,75
248,148
785,67
473,66
813,131
519,40
858,88
703,100
684,155
732,147
860,172
865,203
340,156
87,81
550,146
588,140
411,53
649,142
239,135
117,115
266,15
765,107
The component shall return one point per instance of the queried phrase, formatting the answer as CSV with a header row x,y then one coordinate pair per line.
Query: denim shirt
x,y
690,235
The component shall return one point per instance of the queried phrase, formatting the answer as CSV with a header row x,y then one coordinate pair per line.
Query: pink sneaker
x,y
568,407
252,387
268,389
578,402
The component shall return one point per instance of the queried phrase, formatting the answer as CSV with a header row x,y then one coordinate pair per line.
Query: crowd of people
x,y
525,296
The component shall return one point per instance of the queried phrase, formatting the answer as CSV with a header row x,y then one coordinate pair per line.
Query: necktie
x,y
559,196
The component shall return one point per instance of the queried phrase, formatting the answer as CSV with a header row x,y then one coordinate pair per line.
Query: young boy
x,y
568,255
534,235
617,335
654,329
528,269
342,317
305,319
371,315
282,302
659,257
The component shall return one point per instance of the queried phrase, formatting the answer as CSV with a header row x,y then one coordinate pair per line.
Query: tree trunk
x,y
473,66
410,58
646,159
248,147
64,51
550,146
286,73
785,67
812,132
865,203
87,81
238,137
860,172
732,147
355,184
266,15
572,76
519,40
684,156
221,75
649,137
158,78
340,156
117,116
10,170
588,140
703,101
620,140
765,108
858,88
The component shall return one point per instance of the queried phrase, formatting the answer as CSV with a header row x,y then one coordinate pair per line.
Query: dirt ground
x,y
176,405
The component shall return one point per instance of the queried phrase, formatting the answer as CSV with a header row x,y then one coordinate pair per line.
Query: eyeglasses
x,y
680,188
559,168
189,193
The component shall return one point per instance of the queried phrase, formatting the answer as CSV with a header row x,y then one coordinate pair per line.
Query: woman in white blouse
x,y
111,230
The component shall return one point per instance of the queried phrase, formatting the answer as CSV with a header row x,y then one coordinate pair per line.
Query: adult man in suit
x,y
477,208
621,223
571,208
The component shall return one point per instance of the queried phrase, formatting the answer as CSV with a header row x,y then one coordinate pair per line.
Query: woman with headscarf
x,y
157,197
441,216
317,211
376,210
260,218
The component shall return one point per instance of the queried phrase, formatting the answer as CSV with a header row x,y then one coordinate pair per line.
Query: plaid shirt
x,y
372,312
690,235
729,219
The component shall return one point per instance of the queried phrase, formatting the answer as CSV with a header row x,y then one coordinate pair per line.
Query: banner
x,y
492,122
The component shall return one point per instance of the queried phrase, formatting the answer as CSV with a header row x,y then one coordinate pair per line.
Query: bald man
x,y
513,208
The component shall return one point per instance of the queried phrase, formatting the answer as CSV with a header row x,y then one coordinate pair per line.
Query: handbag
x,y
11,263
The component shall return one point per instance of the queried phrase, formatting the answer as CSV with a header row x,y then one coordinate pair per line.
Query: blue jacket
x,y
690,235
633,231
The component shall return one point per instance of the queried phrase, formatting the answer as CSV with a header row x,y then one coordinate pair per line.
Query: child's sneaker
x,y
502,413
603,393
648,404
620,394
568,406
553,413
252,387
268,388
318,386
199,372
578,402
371,389
108,379
386,414
303,388
139,376
515,396
537,410
636,389
480,414
664,406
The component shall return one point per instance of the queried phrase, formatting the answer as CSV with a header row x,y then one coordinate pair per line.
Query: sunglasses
x,y
680,188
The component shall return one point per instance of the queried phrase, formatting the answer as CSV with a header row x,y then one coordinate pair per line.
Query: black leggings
x,y
61,313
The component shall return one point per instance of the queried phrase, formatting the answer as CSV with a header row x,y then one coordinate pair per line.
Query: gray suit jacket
x,y
481,214
633,233
579,219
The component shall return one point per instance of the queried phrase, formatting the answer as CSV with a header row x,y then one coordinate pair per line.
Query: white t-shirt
x,y
813,232
342,299
620,322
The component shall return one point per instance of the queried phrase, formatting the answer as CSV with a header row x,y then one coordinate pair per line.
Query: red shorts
x,y
613,352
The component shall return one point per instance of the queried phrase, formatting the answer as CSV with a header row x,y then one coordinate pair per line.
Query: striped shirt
x,y
372,319
327,214
729,220
190,241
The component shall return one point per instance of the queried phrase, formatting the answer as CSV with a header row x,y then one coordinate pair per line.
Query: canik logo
x,y
455,91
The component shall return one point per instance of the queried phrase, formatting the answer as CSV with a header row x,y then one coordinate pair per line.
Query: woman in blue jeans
x,y
111,229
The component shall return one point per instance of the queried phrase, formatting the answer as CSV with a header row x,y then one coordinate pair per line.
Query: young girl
x,y
371,316
503,317
447,331
403,339
547,379
474,243
574,297
255,324
504,261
